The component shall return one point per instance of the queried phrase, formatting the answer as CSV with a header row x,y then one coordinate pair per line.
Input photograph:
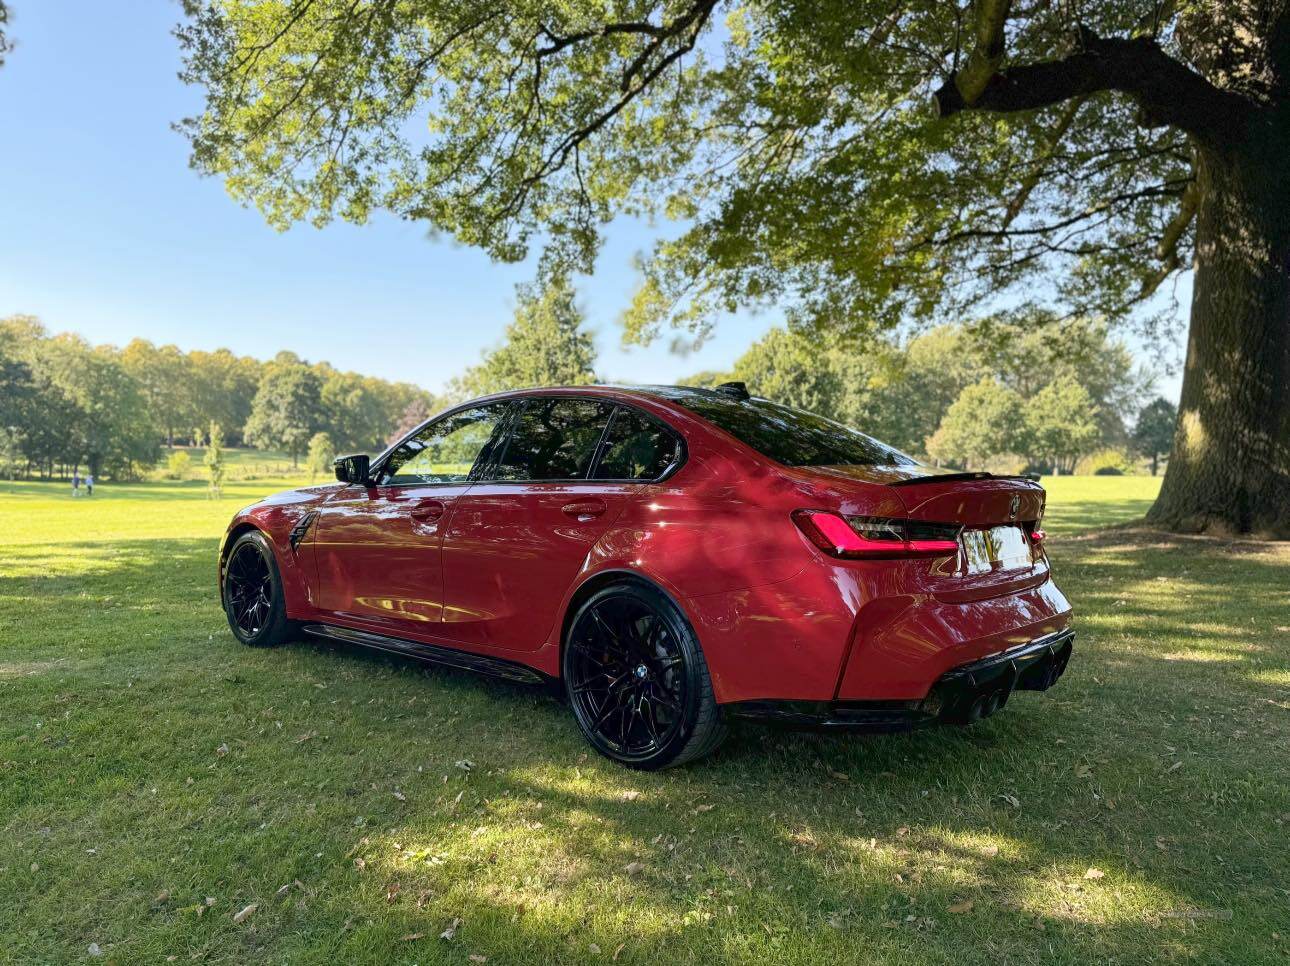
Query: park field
x,y
169,795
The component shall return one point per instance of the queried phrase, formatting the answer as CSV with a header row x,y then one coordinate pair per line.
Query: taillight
x,y
855,538
1037,536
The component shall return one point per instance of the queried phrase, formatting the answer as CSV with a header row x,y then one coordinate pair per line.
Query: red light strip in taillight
x,y
1037,536
836,537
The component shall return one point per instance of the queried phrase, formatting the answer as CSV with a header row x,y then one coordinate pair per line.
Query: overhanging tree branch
x,y
1168,92
987,54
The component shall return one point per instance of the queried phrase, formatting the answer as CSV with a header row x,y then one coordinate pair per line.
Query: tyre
x,y
252,593
636,679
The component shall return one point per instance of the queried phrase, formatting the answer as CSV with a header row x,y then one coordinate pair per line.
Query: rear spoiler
x,y
952,477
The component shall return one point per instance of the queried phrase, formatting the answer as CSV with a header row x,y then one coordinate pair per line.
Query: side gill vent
x,y
299,531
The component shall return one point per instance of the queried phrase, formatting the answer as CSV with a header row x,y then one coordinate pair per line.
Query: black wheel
x,y
637,681
252,592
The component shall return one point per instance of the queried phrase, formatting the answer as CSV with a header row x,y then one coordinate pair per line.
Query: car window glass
x,y
791,436
444,451
553,439
636,448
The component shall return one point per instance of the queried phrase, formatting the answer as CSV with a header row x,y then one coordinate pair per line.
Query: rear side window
x,y
553,439
636,448
791,436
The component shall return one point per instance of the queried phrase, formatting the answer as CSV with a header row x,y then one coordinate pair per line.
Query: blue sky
x,y
107,232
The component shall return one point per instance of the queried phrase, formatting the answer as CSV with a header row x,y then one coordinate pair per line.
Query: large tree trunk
x,y
1229,471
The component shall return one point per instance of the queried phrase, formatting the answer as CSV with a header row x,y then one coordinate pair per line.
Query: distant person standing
x,y
89,484
76,483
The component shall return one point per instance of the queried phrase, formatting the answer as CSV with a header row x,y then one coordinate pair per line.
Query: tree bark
x,y
1229,470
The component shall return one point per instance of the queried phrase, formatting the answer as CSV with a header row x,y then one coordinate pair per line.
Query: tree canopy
x,y
1078,155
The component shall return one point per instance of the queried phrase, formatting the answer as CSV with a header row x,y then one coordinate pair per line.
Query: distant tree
x,y
11,454
18,406
321,453
414,414
287,408
1061,424
793,369
1154,433
544,346
224,387
178,463
982,423
215,462
165,377
1030,348
110,426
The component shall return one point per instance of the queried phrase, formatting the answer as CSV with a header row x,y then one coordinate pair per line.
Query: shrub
x,y
1106,462
178,465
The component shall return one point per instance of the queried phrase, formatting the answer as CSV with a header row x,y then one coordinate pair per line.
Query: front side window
x,y
553,439
636,448
791,436
444,451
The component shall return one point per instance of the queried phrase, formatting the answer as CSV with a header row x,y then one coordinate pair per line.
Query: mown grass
x,y
148,762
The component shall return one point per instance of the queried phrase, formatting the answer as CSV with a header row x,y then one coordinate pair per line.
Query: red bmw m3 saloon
x,y
674,558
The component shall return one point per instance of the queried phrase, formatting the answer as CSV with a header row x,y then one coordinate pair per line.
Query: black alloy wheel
x,y
252,592
637,681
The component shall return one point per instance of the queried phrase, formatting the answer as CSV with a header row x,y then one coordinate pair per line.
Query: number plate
x,y
995,548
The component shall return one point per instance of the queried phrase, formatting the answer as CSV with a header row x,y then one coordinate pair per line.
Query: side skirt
x,y
481,664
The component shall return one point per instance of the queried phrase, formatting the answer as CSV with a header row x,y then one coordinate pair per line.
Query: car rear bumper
x,y
962,695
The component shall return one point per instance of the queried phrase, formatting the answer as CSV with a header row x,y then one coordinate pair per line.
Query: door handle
x,y
584,510
427,512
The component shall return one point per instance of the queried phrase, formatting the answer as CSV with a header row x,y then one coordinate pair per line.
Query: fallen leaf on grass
x,y
839,776
451,930
412,937
1174,767
621,947
1093,873
700,809
631,796
94,950
392,891
476,958
990,851
465,764
1083,771
222,750
635,868
246,912
961,907
400,796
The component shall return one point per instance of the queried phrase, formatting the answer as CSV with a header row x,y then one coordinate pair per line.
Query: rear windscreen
x,y
793,437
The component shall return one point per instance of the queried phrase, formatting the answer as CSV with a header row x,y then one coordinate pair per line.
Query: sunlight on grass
x,y
148,763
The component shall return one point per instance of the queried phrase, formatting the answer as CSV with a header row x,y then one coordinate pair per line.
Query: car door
x,y
521,534
379,547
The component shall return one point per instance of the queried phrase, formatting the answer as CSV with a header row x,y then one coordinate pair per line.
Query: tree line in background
x,y
1020,391
66,404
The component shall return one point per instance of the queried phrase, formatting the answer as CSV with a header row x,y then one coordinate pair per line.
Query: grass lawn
x,y
156,778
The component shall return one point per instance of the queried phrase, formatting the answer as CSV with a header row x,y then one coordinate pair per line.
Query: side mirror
x,y
352,469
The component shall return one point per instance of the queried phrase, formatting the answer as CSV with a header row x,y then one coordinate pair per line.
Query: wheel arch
x,y
607,578
236,533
